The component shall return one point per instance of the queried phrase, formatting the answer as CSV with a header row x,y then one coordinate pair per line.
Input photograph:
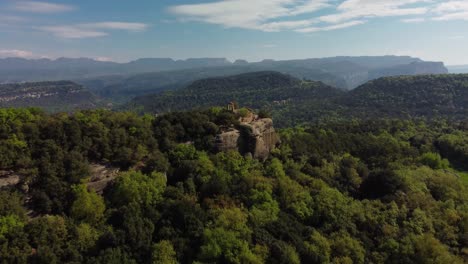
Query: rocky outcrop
x,y
228,140
261,137
9,179
101,177
258,138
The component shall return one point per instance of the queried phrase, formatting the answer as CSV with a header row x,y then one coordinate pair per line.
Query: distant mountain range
x,y
458,69
123,81
51,96
20,70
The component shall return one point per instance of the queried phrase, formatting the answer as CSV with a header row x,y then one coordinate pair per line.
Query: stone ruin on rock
x,y
254,135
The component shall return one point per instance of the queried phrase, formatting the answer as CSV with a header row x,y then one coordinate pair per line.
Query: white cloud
x,y
453,16
91,30
269,46
6,53
309,7
451,10
414,20
128,26
11,19
356,9
284,25
40,7
450,6
278,15
249,14
72,32
332,27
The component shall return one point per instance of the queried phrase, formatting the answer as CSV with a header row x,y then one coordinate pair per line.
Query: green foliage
x,y
434,161
87,236
243,112
163,253
295,198
9,223
264,208
318,248
88,206
346,249
112,256
226,240
357,191
50,236
430,250
263,113
11,204
145,190
290,99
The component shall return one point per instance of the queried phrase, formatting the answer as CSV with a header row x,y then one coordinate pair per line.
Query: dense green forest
x,y
292,101
259,90
380,191
413,96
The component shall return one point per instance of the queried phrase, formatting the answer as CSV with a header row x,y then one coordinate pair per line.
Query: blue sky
x,y
123,30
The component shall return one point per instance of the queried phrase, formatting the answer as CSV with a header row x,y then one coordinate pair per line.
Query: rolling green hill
x,y
292,101
341,72
411,96
150,75
122,89
260,90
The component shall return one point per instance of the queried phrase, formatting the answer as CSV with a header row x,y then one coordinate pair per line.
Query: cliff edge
x,y
255,136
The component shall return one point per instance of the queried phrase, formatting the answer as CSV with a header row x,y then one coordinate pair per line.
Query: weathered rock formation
x,y
101,177
9,179
257,137
228,140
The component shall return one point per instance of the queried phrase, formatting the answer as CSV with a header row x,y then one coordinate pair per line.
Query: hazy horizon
x,y
230,60
123,31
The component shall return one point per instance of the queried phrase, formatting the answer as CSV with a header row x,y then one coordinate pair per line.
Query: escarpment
x,y
254,135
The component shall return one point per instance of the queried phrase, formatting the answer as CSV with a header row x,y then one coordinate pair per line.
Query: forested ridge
x,y
258,90
292,101
349,191
413,96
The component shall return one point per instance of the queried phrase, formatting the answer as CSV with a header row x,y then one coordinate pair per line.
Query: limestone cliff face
x,y
257,137
228,140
